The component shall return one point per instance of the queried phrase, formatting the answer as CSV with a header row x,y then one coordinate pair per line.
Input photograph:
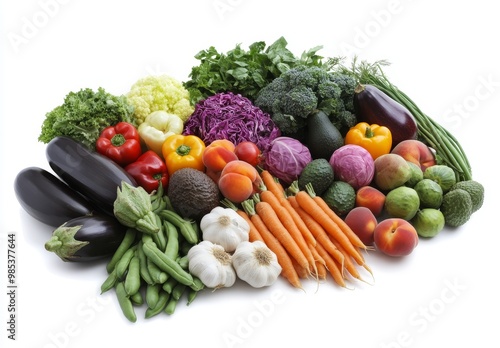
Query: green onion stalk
x,y
448,149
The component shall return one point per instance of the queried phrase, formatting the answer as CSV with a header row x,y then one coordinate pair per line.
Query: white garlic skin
x,y
256,264
212,265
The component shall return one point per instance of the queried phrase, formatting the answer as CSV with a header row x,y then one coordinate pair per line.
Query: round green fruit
x,y
430,193
428,222
402,202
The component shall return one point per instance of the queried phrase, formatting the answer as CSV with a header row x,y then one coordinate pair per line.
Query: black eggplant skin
x,y
102,232
48,199
93,175
373,106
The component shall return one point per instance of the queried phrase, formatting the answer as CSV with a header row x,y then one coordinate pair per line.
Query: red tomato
x,y
249,152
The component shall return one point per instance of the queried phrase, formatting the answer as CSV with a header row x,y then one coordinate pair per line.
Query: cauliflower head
x,y
159,92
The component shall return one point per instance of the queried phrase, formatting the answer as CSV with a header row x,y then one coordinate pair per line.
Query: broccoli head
x,y
298,92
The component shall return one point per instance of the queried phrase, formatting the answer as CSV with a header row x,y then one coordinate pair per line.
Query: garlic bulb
x,y
211,264
225,227
256,264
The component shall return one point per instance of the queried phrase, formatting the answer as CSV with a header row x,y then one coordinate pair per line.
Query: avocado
x,y
456,207
319,173
340,197
192,193
323,138
476,191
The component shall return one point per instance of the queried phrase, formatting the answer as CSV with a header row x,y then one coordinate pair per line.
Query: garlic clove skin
x,y
223,226
256,264
212,265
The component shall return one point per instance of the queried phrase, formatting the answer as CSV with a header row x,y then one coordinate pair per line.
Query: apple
x,y
416,152
371,198
362,222
395,237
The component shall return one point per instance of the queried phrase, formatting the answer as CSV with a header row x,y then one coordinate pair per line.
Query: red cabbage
x,y
285,158
233,117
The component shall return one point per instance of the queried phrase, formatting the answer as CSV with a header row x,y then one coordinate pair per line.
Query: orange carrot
x,y
307,203
318,231
302,272
353,237
288,222
331,265
288,270
320,262
275,187
273,223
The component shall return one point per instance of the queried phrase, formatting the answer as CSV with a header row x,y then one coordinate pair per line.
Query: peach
x,y
391,171
395,237
415,151
362,222
216,157
236,187
371,198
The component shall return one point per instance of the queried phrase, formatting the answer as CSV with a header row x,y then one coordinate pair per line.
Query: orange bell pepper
x,y
377,140
183,151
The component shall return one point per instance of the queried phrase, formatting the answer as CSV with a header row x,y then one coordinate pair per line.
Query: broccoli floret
x,y
300,101
300,91
343,121
288,124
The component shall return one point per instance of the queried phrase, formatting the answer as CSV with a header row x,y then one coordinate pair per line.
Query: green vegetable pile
x,y
84,114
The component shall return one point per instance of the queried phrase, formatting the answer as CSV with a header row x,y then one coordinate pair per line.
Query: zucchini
x,y
46,198
91,174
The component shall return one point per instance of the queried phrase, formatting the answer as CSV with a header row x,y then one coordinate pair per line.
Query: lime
x,y
402,202
430,193
428,222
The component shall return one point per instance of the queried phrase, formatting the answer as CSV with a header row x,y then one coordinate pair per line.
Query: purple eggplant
x,y
373,106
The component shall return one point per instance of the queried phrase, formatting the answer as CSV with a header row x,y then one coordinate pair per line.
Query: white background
x,y
445,57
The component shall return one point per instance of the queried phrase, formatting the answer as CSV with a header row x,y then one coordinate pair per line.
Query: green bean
x,y
137,298
159,237
178,290
158,275
172,249
191,295
122,265
144,265
167,265
125,244
163,298
132,280
159,204
169,285
172,303
152,293
185,226
125,303
110,282
197,284
147,238
183,262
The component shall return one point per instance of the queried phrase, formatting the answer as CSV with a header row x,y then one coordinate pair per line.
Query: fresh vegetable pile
x,y
262,165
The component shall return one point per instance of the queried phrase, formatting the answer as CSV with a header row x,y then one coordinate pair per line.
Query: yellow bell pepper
x,y
157,127
377,140
183,151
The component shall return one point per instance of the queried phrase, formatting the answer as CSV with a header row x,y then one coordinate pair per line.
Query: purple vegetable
x,y
285,158
233,117
354,165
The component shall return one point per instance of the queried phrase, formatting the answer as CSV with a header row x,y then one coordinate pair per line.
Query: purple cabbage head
x,y
285,158
354,165
233,117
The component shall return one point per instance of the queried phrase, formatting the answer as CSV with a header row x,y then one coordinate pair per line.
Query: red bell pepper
x,y
120,142
149,170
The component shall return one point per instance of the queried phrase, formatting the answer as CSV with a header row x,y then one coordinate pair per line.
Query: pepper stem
x,y
118,140
369,132
183,150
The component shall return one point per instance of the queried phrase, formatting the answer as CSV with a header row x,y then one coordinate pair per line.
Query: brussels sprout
x,y
442,174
